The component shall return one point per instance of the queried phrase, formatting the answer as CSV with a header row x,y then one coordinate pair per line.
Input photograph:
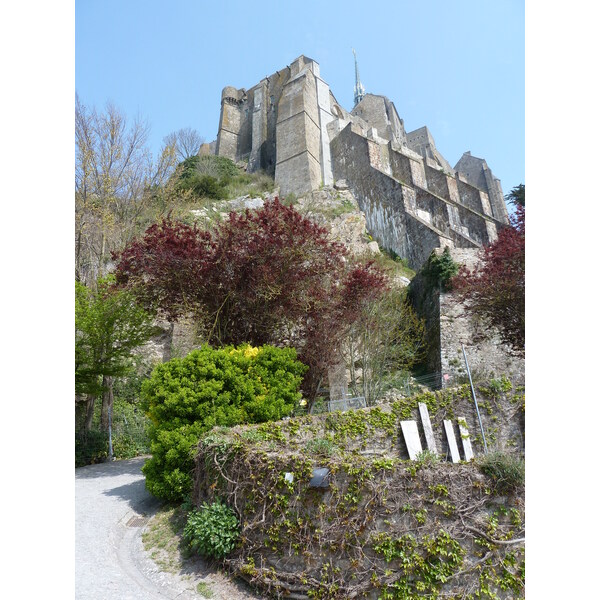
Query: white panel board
x,y
411,437
427,428
464,436
451,441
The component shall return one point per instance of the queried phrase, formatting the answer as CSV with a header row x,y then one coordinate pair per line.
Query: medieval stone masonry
x,y
291,126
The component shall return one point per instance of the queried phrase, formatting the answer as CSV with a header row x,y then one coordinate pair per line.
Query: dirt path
x,y
112,508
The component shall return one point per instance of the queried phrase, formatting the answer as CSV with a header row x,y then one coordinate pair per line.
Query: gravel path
x,y
112,506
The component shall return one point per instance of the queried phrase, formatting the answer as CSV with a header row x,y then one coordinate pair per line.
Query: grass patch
x,y
253,184
163,539
506,470
204,590
394,265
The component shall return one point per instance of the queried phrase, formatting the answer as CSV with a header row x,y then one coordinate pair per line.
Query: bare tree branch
x,y
187,142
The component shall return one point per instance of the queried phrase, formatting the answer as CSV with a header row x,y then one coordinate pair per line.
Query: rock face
x,y
334,208
220,210
337,210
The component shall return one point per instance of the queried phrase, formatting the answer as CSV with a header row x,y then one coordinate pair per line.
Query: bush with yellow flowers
x,y
186,397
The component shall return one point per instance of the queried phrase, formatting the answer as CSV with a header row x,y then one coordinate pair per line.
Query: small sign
x,y
320,478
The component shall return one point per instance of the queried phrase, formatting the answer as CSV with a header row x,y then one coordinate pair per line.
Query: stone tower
x,y
280,126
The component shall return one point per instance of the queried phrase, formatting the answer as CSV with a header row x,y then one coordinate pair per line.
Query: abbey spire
x,y
359,90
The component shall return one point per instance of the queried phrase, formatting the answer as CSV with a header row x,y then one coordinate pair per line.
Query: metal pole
x,y
474,398
110,448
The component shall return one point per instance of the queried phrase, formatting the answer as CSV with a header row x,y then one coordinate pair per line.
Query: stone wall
x,y
384,200
397,193
268,145
286,125
379,113
476,172
362,525
229,124
449,328
414,202
298,135
421,141
405,171
280,126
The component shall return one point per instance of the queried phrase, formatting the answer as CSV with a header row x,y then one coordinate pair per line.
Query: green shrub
x,y
439,270
207,176
212,531
499,386
169,471
125,446
426,458
90,447
217,166
187,397
203,186
506,470
207,186
320,447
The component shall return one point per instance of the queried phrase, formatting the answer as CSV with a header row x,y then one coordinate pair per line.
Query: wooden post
x,y
411,437
464,436
427,428
455,456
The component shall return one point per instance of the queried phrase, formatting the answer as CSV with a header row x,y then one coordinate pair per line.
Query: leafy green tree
x,y
186,397
109,326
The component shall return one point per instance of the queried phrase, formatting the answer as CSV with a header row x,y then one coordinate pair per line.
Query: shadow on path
x,y
137,496
131,466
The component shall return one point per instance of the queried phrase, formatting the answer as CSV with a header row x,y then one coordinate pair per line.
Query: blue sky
x,y
457,67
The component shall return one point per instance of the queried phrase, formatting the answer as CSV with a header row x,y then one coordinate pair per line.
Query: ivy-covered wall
x,y
385,527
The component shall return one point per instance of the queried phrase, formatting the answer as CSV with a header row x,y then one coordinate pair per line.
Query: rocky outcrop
x,y
336,209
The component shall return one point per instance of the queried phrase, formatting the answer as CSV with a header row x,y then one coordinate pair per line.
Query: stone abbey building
x,y
291,126
415,203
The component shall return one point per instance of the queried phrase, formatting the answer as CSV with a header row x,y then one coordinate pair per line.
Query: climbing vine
x,y
384,527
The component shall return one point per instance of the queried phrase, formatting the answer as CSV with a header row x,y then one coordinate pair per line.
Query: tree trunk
x,y
338,385
107,400
89,412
